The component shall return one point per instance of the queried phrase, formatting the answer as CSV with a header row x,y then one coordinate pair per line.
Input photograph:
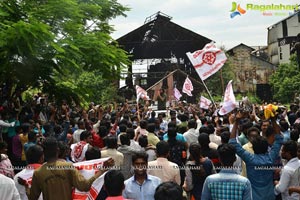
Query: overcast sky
x,y
210,18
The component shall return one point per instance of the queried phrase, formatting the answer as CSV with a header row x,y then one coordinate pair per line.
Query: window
x,y
284,29
280,53
143,82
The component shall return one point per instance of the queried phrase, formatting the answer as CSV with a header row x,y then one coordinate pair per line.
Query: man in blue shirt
x,y
141,186
227,184
179,137
285,130
260,165
31,140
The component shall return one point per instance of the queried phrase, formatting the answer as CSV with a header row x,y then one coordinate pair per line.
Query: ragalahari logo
x,y
236,10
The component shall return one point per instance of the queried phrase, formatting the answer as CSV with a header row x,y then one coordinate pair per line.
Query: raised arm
x,y
83,184
100,116
275,125
278,140
66,125
245,155
235,120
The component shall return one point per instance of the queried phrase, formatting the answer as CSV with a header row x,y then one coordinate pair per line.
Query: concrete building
x,y
281,37
251,70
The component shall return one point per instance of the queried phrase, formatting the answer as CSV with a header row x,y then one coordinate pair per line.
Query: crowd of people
x,y
183,152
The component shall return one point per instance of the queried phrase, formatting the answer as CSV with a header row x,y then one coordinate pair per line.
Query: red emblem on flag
x,y
188,87
207,61
209,58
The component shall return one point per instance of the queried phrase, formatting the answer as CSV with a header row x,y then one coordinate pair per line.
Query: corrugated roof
x,y
241,44
159,37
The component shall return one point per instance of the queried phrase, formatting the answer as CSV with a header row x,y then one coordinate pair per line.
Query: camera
x,y
244,109
245,106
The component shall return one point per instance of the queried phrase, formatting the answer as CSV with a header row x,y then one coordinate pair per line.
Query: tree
x,y
214,83
286,81
218,81
50,44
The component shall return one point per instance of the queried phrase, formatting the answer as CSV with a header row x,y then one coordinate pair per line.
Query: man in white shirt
x,y
78,149
161,167
8,189
213,137
6,124
288,178
191,135
76,134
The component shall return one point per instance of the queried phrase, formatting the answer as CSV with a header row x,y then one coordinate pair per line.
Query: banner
x,y
26,174
177,94
187,87
207,61
229,102
141,93
88,169
204,102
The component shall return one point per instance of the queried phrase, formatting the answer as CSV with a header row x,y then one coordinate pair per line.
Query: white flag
x,y
27,174
187,87
88,169
141,93
229,102
207,61
177,94
204,102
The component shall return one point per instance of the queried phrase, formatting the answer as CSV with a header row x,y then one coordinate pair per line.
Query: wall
x,y
248,69
275,32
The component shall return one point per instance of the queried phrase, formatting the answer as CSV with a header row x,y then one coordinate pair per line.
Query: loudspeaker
x,y
263,91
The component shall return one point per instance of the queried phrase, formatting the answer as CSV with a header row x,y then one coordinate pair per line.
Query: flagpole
x,y
202,84
190,77
209,93
138,112
161,80
222,80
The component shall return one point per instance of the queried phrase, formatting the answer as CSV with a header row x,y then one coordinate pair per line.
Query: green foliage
x,y
45,44
286,81
100,90
29,93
